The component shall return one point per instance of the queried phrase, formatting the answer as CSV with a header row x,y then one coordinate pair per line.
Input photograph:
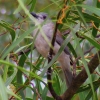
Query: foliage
x,y
23,71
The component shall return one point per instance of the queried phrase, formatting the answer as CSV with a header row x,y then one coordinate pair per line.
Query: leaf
x,y
89,95
56,85
92,41
13,94
88,17
49,98
5,70
83,59
13,45
29,99
81,15
91,9
19,73
22,47
44,93
17,10
3,93
19,7
88,86
94,31
10,79
33,2
9,28
22,69
72,50
29,93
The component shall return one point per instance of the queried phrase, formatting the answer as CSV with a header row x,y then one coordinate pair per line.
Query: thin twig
x,y
84,54
19,90
66,32
49,59
3,33
79,36
22,52
49,71
98,36
25,84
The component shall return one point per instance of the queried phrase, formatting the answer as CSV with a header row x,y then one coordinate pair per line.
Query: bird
x,y
43,47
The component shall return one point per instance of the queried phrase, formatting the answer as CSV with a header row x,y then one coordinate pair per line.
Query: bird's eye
x,y
44,17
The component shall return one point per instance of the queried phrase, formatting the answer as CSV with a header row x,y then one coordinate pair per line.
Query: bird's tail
x,y
65,64
68,76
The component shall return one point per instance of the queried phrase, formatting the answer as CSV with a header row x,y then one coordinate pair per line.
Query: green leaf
x,y
19,7
3,93
82,56
33,2
49,98
13,94
88,86
94,31
92,41
29,99
19,73
10,79
91,9
5,70
9,28
29,93
44,93
56,84
22,47
72,50
88,17
17,10
81,15
22,69
13,45
89,95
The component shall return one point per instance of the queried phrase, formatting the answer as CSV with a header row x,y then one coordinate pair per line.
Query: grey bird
x,y
43,47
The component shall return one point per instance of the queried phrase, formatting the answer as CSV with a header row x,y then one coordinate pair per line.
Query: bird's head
x,y
41,17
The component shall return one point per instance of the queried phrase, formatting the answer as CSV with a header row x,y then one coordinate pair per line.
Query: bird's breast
x,y
42,46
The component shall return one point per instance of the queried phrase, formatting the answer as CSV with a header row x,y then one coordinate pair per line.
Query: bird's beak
x,y
34,14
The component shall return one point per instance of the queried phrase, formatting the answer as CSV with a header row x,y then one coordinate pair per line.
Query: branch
x,y
81,77
49,71
22,52
84,54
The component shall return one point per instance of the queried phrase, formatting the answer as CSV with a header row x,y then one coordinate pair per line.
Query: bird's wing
x,y
60,40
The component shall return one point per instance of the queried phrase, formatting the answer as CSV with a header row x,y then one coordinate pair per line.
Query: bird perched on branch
x,y
43,47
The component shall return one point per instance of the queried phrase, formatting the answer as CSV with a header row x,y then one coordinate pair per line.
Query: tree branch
x,y
22,52
49,71
81,77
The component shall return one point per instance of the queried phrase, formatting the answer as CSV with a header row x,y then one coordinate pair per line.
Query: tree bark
x,y
81,77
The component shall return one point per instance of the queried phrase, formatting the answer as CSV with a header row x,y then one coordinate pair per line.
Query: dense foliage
x,y
23,71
